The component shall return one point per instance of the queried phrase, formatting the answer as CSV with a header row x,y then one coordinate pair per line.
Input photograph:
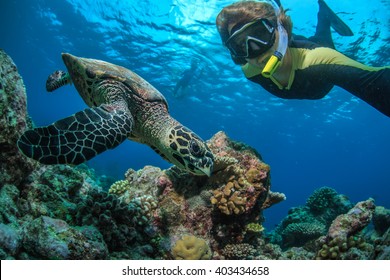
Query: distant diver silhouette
x,y
186,77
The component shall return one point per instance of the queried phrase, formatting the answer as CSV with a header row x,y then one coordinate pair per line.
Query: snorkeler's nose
x,y
253,46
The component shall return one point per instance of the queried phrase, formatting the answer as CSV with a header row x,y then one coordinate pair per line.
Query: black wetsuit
x,y
316,69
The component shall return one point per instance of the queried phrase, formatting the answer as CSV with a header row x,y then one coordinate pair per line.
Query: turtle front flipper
x,y
78,138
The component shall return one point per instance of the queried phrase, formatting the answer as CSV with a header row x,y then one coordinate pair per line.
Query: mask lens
x,y
259,32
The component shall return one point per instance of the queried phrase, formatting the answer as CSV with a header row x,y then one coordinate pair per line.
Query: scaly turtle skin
x,y
123,105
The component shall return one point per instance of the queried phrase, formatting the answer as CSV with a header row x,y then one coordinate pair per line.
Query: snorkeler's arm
x,y
371,84
317,69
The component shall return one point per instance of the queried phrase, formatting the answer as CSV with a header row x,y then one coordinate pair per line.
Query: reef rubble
x,y
64,212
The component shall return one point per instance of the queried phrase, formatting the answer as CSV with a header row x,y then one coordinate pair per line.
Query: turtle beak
x,y
207,165
207,170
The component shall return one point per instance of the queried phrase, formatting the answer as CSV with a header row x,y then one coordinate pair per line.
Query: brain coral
x,y
190,247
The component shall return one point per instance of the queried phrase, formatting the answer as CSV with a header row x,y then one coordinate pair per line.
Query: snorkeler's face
x,y
261,60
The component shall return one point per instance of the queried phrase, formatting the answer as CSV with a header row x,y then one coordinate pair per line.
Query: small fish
x,y
57,79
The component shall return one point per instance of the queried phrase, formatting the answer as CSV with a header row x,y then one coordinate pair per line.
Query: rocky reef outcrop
x,y
14,121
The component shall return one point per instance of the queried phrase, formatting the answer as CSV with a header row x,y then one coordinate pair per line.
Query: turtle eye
x,y
196,149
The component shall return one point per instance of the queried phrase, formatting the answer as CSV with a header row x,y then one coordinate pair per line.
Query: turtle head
x,y
189,152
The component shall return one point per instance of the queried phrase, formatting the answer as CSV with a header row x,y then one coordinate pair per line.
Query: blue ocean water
x,y
338,141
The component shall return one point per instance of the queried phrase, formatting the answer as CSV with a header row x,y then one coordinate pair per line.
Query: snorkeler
x,y
185,79
259,37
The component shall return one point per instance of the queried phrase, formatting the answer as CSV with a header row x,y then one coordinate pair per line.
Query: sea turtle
x,y
123,105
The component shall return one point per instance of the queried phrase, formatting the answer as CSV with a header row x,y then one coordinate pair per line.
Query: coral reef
x,y
10,241
314,232
50,238
59,205
306,223
218,208
248,180
228,200
223,209
382,244
137,183
140,216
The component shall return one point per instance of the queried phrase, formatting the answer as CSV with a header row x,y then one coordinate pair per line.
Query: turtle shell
x,y
85,71
142,88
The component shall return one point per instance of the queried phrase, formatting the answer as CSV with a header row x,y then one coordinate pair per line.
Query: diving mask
x,y
251,39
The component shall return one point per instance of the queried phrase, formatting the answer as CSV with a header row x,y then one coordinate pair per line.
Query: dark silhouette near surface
x,y
185,80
